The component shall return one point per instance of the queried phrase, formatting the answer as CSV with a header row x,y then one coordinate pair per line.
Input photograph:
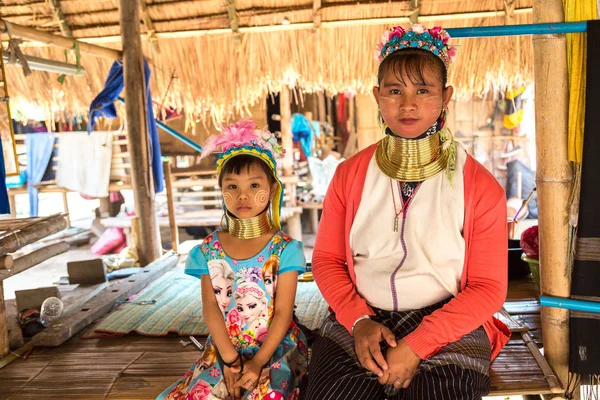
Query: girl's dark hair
x,y
412,63
236,164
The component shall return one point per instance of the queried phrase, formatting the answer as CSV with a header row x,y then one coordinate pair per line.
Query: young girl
x,y
411,250
259,355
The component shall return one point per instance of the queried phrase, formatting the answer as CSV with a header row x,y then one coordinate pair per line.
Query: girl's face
x,y
410,108
270,283
223,291
247,194
249,308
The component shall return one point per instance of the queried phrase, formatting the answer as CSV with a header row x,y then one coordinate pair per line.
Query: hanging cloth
x,y
39,148
4,205
577,10
302,131
103,105
584,358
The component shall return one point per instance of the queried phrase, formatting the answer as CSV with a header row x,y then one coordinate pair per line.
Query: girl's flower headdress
x,y
244,137
418,36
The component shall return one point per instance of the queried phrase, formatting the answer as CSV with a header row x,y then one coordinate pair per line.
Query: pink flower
x,y
398,32
445,37
276,365
435,31
217,245
273,395
247,338
261,334
452,53
284,385
235,262
302,345
261,259
418,28
200,391
214,372
233,317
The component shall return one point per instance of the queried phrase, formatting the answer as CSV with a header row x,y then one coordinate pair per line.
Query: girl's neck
x,y
242,249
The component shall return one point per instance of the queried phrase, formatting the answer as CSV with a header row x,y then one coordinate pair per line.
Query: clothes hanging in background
x,y
39,148
584,358
4,205
84,163
103,105
303,134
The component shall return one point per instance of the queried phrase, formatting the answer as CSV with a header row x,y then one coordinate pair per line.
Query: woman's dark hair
x,y
236,164
412,63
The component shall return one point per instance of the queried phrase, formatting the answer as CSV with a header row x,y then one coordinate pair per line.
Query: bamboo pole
x,y
554,181
171,207
137,130
287,140
4,341
13,241
34,258
6,262
59,41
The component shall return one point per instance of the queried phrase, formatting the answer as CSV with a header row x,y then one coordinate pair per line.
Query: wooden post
x,y
66,207
171,207
287,140
12,204
13,241
4,347
554,180
137,130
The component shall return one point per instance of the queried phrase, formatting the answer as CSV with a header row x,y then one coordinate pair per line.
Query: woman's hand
x,y
403,363
250,375
367,335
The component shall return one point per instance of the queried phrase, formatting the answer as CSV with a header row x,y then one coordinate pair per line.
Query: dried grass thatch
x,y
217,75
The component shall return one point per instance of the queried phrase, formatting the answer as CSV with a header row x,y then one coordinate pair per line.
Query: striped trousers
x,y
459,371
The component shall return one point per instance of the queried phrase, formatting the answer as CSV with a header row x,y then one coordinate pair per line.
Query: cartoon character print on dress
x,y
222,277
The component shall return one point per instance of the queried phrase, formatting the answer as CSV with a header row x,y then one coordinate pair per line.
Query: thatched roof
x,y
218,71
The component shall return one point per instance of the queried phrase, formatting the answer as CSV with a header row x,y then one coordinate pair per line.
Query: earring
x,y
224,223
442,119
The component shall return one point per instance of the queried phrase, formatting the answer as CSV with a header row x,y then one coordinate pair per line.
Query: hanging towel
x,y
39,148
84,163
302,131
4,206
103,105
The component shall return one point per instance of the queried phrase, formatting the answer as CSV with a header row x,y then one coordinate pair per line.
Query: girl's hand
x,y
250,375
403,363
231,376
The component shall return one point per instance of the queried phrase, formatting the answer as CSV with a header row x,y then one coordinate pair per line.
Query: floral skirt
x,y
204,379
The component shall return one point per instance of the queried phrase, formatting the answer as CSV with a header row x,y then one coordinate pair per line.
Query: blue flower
x,y
438,43
402,46
436,52
409,35
394,40
414,44
425,36
425,47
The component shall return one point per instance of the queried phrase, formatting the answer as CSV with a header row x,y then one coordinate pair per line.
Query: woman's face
x,y
249,308
270,283
223,291
410,108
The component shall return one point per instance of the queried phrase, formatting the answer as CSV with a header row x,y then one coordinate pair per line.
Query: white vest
x,y
422,263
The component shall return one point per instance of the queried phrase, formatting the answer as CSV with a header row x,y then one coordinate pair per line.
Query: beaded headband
x,y
434,40
252,290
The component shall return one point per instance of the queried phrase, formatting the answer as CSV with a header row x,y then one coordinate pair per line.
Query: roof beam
x,y
58,14
146,17
416,8
317,14
305,25
234,21
50,39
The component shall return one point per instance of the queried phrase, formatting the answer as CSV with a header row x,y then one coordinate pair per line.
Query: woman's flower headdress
x,y
418,36
244,137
